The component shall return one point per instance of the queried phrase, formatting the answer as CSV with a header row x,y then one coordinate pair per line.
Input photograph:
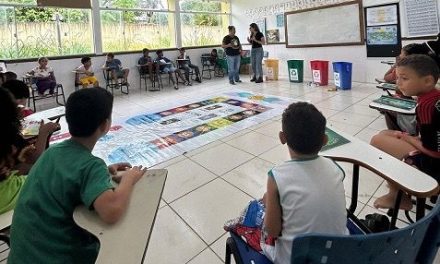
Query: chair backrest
x,y
397,246
220,53
431,242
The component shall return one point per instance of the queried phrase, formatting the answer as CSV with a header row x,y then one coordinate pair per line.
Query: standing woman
x,y
257,40
231,44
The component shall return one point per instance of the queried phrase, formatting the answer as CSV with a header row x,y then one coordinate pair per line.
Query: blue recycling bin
x,y
342,74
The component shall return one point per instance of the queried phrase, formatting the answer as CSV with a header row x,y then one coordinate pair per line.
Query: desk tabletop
x,y
389,108
408,178
127,240
6,219
50,114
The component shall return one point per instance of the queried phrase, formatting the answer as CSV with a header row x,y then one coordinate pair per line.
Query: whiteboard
x,y
334,25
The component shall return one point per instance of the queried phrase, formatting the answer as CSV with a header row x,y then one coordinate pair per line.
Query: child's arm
x,y
273,217
43,134
417,143
390,75
111,204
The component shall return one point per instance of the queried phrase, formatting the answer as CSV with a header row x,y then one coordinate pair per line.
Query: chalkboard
x,y
333,25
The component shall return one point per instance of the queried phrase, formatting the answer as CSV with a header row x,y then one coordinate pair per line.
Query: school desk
x,y
408,179
127,240
50,114
393,104
6,219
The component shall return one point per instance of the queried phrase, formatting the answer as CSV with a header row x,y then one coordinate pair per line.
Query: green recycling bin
x,y
296,70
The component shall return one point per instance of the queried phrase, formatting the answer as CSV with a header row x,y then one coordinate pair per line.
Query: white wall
x,y
364,69
63,67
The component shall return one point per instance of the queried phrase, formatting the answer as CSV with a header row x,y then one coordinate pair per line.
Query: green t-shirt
x,y
9,191
43,229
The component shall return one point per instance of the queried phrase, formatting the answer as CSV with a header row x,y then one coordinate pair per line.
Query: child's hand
x,y
48,128
134,174
26,153
122,166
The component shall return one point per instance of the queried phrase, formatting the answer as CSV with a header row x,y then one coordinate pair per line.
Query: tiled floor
x,y
210,185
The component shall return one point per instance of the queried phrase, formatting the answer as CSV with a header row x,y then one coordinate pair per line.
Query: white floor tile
x,y
171,234
183,177
207,256
251,177
222,158
209,207
254,143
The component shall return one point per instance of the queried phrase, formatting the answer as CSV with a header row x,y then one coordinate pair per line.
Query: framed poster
x,y
422,18
382,28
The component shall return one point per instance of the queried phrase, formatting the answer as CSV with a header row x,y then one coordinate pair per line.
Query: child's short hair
x,y
17,88
110,55
415,48
304,128
231,28
145,50
87,109
182,49
85,60
42,58
9,76
423,65
214,50
159,52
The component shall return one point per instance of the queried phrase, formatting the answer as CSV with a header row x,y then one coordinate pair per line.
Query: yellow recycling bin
x,y
271,69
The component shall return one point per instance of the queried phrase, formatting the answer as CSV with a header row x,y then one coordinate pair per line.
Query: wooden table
x,y
407,178
127,240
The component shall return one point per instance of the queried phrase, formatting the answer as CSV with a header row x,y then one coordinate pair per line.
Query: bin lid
x,y
272,59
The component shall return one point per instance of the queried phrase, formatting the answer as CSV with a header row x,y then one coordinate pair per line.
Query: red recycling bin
x,y
319,72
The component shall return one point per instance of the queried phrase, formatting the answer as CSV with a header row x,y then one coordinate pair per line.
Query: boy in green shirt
x,y
65,176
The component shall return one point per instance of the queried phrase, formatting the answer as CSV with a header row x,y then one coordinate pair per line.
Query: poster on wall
x,y
382,15
382,35
275,32
382,27
422,17
273,36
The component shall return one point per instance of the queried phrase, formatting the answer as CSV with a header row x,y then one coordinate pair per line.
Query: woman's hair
x,y
10,128
255,26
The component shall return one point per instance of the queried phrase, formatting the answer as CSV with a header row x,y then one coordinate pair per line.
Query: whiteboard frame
x,y
361,28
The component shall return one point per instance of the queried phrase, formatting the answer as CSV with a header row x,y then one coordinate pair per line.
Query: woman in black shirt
x,y
257,40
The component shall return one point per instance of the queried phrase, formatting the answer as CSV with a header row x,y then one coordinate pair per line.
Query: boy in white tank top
x,y
305,194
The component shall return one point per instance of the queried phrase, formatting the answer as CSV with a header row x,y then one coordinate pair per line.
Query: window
x,y
203,23
31,32
126,26
135,30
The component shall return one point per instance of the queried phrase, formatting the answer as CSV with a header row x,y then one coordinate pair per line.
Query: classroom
x,y
220,131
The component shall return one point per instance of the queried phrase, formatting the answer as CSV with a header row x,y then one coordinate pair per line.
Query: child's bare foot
x,y
387,201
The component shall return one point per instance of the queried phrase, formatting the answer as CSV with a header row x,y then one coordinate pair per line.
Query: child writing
x,y
85,73
416,76
306,193
20,91
44,77
66,176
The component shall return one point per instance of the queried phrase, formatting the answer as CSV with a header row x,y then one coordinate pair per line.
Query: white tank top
x,y
312,199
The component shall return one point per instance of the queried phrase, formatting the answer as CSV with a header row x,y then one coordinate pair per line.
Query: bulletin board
x,y
333,25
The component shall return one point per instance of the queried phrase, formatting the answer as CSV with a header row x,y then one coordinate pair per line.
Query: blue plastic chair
x,y
417,243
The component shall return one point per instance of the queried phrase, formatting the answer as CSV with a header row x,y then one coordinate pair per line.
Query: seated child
x,y
115,67
187,66
7,76
85,73
20,91
11,180
68,175
213,58
146,64
306,193
166,66
416,76
44,77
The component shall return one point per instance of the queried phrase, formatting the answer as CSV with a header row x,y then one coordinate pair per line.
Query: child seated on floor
x,y
44,77
85,74
68,175
21,93
416,76
306,193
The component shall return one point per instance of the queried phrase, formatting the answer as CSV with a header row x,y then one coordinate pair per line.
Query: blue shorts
x,y
169,69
